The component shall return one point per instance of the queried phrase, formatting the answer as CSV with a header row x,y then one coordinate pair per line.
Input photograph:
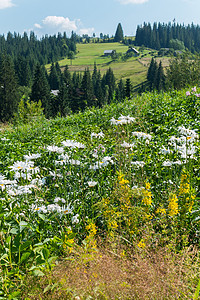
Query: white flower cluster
x,y
142,135
127,145
56,208
104,162
122,120
185,144
73,144
97,135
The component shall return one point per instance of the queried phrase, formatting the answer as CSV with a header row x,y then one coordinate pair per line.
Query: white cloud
x,y
60,23
6,4
55,24
37,26
88,31
132,1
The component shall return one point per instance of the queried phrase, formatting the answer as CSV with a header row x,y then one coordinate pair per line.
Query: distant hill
x,y
123,67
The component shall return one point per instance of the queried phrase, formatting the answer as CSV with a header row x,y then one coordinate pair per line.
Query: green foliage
x,y
168,35
119,33
28,111
40,88
176,44
183,71
8,88
129,170
30,49
155,76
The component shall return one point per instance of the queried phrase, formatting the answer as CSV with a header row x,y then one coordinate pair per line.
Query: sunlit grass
x,y
118,185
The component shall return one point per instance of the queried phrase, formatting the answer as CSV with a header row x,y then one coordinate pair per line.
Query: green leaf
x,y
25,245
25,256
47,288
52,259
45,253
23,223
197,292
41,216
38,272
14,230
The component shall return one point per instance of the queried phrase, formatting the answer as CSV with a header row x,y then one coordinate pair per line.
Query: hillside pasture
x,y
88,54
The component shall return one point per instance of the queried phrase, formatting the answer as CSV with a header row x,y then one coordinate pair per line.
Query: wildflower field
x,y
126,175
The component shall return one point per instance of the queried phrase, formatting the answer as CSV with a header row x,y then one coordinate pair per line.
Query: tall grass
x,y
118,185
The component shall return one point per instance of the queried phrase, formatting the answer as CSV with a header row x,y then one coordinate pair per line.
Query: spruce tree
x,y
109,81
40,87
128,88
152,73
65,95
160,80
119,33
8,88
98,90
23,71
54,81
76,91
87,98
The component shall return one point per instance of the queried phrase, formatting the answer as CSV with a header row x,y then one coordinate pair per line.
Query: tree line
x,y
26,50
65,92
160,35
183,71
59,92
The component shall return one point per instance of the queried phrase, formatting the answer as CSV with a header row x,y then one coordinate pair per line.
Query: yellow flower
x,y
147,185
147,197
92,229
161,211
184,185
173,205
141,244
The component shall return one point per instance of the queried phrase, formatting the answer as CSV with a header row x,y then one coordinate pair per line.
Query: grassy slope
x,y
134,68
107,273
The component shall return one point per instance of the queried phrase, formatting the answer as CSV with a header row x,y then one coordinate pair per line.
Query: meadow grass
x,y
134,68
111,194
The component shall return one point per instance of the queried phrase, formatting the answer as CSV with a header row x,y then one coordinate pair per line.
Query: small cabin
x,y
132,50
109,52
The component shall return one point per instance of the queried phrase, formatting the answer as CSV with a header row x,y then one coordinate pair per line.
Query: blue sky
x,y
92,16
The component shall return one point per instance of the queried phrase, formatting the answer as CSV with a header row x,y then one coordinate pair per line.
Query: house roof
x,y
133,49
108,51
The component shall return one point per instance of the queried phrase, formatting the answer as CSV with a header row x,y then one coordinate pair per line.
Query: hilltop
x,y
134,68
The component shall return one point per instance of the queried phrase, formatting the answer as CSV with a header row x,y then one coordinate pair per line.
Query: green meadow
x,y
103,204
88,54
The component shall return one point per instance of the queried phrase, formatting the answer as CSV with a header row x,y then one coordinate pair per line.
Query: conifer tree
x,y
54,81
94,75
76,91
23,71
160,79
40,87
8,88
119,33
128,88
58,71
87,98
109,81
152,73
98,90
65,95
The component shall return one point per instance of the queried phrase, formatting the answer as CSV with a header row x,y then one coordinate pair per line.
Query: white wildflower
x,y
55,149
142,135
92,183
